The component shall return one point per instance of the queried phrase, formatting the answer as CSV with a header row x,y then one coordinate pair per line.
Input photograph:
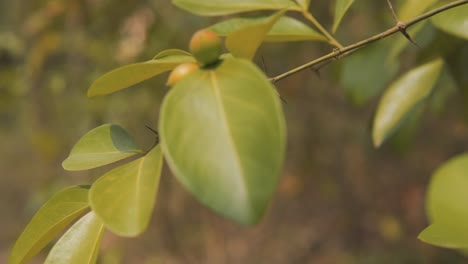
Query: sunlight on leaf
x,y
243,43
80,244
124,197
285,29
50,220
223,136
402,96
223,7
101,146
132,74
341,7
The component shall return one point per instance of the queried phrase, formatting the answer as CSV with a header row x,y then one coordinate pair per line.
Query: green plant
x,y
222,131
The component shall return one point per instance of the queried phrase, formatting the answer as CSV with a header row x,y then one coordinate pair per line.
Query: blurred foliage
x,y
339,200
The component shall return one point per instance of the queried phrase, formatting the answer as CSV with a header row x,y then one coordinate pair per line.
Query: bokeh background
x,y
339,199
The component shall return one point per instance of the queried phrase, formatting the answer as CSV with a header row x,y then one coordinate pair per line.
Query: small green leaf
x,y
50,220
341,7
80,244
446,205
402,96
285,29
243,43
223,7
453,21
124,197
101,146
129,75
223,136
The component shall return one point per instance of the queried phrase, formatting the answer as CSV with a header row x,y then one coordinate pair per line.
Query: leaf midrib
x,y
216,89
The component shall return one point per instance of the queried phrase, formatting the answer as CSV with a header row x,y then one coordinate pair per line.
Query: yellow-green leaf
x,y
223,135
285,29
223,7
132,74
243,43
453,21
101,146
402,96
50,220
341,7
412,8
80,244
446,205
124,197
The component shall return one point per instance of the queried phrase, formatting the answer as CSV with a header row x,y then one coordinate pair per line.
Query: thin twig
x,y
340,53
390,6
314,21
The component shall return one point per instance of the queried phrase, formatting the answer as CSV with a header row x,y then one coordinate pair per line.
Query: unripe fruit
x,y
180,72
205,46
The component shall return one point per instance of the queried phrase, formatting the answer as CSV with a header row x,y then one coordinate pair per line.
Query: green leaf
x,y
101,146
223,7
363,75
341,7
129,75
412,8
124,197
223,136
402,96
243,43
453,21
446,205
450,234
50,220
80,244
285,29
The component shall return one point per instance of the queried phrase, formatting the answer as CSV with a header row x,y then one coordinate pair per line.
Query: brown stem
x,y
343,52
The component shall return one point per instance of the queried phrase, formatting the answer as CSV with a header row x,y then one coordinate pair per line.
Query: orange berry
x,y
205,46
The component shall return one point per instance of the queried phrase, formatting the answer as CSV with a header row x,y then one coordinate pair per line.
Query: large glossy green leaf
x,y
223,136
101,146
446,205
124,197
453,21
402,96
244,42
341,7
129,75
223,7
80,244
50,220
285,29
363,75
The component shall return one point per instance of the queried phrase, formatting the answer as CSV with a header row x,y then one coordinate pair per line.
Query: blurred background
x,y
339,199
